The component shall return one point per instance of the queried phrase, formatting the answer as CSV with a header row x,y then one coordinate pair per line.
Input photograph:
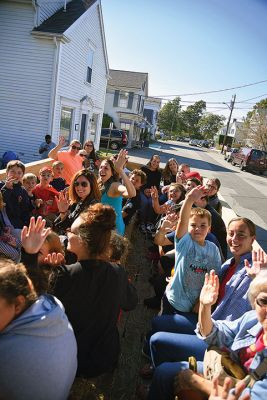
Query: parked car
x,y
250,159
229,154
118,138
193,142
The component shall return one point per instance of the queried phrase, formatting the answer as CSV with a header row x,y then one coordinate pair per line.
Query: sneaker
x,y
142,228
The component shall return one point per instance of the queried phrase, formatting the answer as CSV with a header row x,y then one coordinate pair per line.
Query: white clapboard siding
x,y
48,8
25,81
73,67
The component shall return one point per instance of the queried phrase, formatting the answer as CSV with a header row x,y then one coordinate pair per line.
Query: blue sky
x,y
190,46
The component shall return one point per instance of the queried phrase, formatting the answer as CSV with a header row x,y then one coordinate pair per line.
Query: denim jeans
x,y
163,379
166,346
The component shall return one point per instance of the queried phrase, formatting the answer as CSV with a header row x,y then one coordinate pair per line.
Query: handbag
x,y
218,363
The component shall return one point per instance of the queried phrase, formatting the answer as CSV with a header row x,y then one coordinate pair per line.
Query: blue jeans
x,y
163,380
166,346
174,323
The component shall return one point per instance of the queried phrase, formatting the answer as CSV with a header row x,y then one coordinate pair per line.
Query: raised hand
x,y
154,192
121,160
54,259
196,193
33,237
225,395
9,182
210,290
62,202
259,262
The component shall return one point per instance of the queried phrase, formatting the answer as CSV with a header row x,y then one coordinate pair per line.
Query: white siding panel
x,y
48,8
25,82
73,67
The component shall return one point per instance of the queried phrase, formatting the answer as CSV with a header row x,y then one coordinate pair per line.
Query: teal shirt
x,y
116,203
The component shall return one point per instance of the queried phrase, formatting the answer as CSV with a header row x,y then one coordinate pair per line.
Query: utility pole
x,y
229,120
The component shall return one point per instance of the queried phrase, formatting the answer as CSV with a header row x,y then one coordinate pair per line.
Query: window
x,y
66,123
123,100
125,126
89,66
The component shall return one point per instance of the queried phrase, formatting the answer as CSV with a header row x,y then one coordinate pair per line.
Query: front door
x,y
83,128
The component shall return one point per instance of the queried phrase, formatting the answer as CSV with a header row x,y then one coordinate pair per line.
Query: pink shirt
x,y
72,164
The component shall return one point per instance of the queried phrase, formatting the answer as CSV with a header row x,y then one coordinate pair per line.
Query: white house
x,y
54,71
152,107
126,91
234,134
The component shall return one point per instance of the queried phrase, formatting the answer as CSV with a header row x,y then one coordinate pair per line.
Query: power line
x,y
212,91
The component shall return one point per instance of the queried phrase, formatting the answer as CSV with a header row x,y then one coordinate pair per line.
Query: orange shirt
x,y
72,164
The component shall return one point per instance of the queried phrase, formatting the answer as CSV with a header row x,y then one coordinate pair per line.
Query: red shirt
x,y
247,354
46,193
230,272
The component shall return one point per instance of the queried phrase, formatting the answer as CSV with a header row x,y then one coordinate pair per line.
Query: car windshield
x,y
258,154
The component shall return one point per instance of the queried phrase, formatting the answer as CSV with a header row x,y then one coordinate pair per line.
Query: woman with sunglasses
x,y
91,159
112,189
70,158
92,290
83,192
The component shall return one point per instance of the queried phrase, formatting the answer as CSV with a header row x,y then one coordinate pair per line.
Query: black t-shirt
x,y
153,178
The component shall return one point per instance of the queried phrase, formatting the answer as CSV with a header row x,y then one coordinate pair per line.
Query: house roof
x,y
128,79
59,22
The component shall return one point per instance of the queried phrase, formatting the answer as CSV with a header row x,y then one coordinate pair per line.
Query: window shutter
x,y
130,100
116,98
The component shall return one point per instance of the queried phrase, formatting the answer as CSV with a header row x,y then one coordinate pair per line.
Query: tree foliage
x,y
107,119
255,126
192,115
169,116
209,124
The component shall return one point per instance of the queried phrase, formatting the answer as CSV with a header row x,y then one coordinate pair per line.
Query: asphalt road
x,y
246,193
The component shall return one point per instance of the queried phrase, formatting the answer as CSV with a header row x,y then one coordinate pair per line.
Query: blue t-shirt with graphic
x,y
192,261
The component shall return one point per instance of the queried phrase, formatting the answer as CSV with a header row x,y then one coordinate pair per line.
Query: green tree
x,y
255,125
169,116
209,124
192,115
107,119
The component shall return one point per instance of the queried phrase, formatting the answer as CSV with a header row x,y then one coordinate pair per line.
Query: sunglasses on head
x,y
262,302
75,147
82,184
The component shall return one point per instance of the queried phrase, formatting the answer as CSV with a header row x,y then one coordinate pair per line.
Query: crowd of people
x,y
63,284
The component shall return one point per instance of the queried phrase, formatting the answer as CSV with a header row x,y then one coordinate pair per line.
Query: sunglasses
x,y
75,147
262,302
89,145
82,184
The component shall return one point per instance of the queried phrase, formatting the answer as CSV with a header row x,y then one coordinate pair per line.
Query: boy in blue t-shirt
x,y
194,256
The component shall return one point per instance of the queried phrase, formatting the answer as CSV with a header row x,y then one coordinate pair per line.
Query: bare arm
x,y
208,297
55,150
128,189
160,237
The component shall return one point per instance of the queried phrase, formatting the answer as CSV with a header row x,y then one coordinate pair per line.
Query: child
x,y
58,182
10,243
15,196
130,206
29,182
176,193
194,257
47,193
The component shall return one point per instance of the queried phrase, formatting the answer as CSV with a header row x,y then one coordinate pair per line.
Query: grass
x,y
104,153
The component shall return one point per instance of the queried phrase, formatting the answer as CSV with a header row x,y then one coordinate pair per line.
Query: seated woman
x,y
153,175
91,159
37,344
113,191
92,290
245,339
83,192
169,176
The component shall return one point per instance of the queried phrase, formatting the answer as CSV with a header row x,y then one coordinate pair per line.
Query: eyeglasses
x,y
89,145
82,184
75,147
262,302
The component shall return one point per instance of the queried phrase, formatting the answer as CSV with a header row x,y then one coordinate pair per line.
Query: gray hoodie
x,y
38,353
